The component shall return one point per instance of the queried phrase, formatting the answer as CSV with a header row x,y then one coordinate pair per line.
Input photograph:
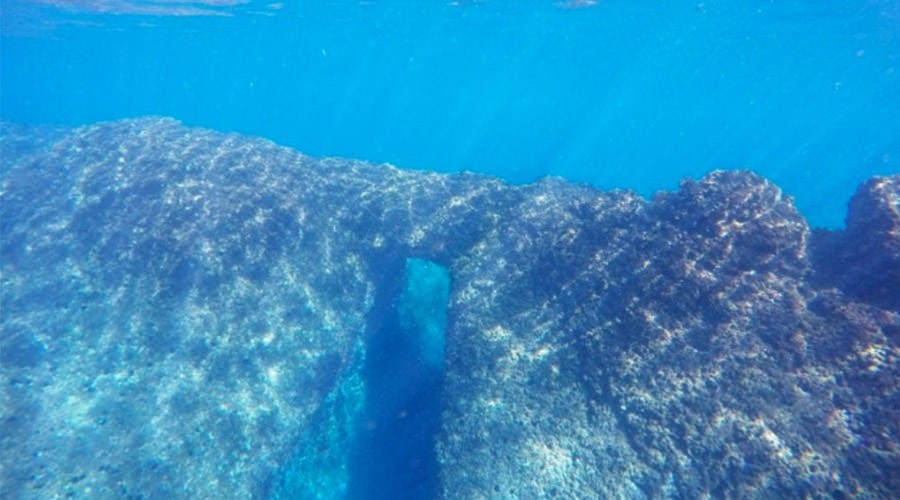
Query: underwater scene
x,y
449,249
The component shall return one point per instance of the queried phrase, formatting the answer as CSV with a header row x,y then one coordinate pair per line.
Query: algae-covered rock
x,y
191,314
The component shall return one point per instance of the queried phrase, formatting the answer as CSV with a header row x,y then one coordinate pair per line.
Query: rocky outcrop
x,y
863,260
185,312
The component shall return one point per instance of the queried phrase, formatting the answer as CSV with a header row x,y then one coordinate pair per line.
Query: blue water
x,y
621,94
393,456
627,94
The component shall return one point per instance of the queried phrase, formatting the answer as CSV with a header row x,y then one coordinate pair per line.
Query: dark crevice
x,y
393,455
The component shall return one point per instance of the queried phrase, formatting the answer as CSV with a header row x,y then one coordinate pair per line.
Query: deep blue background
x,y
627,93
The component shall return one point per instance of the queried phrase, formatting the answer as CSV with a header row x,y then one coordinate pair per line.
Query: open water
x,y
630,94
615,94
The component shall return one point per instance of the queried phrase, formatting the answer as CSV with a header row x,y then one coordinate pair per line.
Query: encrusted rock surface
x,y
184,314
864,259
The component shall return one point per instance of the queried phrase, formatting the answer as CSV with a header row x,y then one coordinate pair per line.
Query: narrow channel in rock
x,y
394,453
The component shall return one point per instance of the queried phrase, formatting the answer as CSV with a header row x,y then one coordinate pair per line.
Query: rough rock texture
x,y
184,314
168,317
864,259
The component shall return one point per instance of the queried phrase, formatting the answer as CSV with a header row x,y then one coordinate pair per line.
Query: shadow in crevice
x,y
393,456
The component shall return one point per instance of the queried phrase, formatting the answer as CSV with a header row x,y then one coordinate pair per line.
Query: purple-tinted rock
x,y
863,260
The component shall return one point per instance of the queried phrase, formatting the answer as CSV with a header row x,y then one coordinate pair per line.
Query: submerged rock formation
x,y
186,314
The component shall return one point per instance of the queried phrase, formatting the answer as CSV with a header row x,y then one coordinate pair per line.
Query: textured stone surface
x,y
184,314
179,312
864,259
